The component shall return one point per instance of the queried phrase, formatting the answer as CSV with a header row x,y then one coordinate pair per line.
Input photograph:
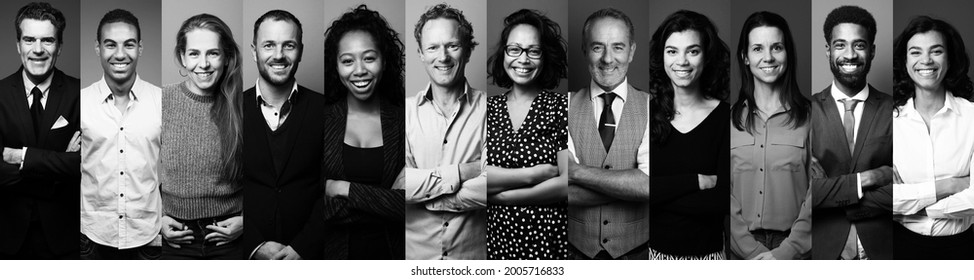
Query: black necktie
x,y
607,123
37,111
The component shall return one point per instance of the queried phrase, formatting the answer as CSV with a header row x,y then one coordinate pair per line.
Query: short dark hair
x,y
119,15
956,81
389,45
850,14
553,50
607,13
447,12
280,15
41,11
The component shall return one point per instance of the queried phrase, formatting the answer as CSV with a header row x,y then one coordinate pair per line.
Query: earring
x,y
181,72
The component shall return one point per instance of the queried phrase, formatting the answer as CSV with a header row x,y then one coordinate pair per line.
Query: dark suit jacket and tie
x,y
836,204
47,186
279,201
373,205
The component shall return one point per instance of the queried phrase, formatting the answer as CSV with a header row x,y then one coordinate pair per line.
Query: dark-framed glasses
x,y
515,51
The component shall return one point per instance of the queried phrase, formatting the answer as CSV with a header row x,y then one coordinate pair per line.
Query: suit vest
x,y
621,226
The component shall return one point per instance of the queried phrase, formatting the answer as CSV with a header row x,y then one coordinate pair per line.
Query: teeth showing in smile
x,y
443,68
119,65
682,73
361,84
278,66
768,69
522,70
926,72
848,67
203,75
608,70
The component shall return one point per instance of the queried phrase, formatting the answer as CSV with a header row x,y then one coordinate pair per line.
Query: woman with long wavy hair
x,y
201,145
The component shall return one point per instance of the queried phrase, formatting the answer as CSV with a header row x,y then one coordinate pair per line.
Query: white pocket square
x,y
61,122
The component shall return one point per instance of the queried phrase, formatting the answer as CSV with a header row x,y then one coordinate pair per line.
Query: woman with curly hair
x,y
689,169
363,147
201,151
527,142
933,143
770,215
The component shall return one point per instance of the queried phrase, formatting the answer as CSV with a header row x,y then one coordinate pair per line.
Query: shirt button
x,y
606,222
121,128
760,192
446,224
605,240
444,141
444,253
761,169
608,167
121,151
121,173
120,217
759,215
121,195
275,114
762,145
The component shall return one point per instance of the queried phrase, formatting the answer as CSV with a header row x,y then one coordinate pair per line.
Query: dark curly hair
x,y
959,63
554,65
445,11
850,14
714,81
791,96
390,47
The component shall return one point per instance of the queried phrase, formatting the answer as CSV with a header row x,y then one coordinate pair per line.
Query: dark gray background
x,y
556,10
958,13
799,21
312,60
578,11
147,12
476,13
716,10
67,61
881,74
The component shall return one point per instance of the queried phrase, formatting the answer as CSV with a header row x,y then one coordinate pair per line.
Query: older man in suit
x,y
39,128
852,147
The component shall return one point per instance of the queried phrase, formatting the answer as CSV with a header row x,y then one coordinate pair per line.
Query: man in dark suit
x,y
852,147
39,128
283,132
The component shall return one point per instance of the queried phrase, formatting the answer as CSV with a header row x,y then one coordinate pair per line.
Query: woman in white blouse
x,y
933,143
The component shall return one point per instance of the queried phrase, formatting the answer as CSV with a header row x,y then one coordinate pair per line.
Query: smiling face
x,y
683,58
38,48
277,51
609,51
119,51
523,69
203,59
442,53
766,56
926,60
850,54
359,64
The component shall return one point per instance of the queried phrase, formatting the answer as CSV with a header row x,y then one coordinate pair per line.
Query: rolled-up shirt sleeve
x,y
426,184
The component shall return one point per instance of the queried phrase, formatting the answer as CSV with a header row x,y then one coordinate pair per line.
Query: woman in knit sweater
x,y
363,145
201,136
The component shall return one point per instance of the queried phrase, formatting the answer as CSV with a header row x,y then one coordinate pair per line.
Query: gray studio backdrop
x,y
310,70
476,13
956,12
149,18
881,73
716,10
174,12
578,11
392,10
68,59
799,21
556,10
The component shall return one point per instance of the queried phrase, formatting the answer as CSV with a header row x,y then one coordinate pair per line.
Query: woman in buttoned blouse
x,y
689,170
769,185
930,66
527,142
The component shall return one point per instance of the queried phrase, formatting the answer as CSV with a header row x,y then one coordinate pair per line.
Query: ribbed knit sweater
x,y
191,159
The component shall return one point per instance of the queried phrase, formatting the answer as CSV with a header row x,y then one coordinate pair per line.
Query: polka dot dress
x,y
527,231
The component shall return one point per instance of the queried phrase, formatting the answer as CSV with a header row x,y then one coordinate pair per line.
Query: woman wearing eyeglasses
x,y
527,143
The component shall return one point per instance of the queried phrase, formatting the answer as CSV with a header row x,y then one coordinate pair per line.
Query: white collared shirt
x,y
862,95
921,158
120,201
622,93
44,86
275,116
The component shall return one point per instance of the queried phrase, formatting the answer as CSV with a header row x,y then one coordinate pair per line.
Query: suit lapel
x,y
54,97
20,105
866,123
834,124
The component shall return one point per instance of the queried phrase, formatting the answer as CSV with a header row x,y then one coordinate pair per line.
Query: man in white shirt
x,y
121,123
608,126
851,144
